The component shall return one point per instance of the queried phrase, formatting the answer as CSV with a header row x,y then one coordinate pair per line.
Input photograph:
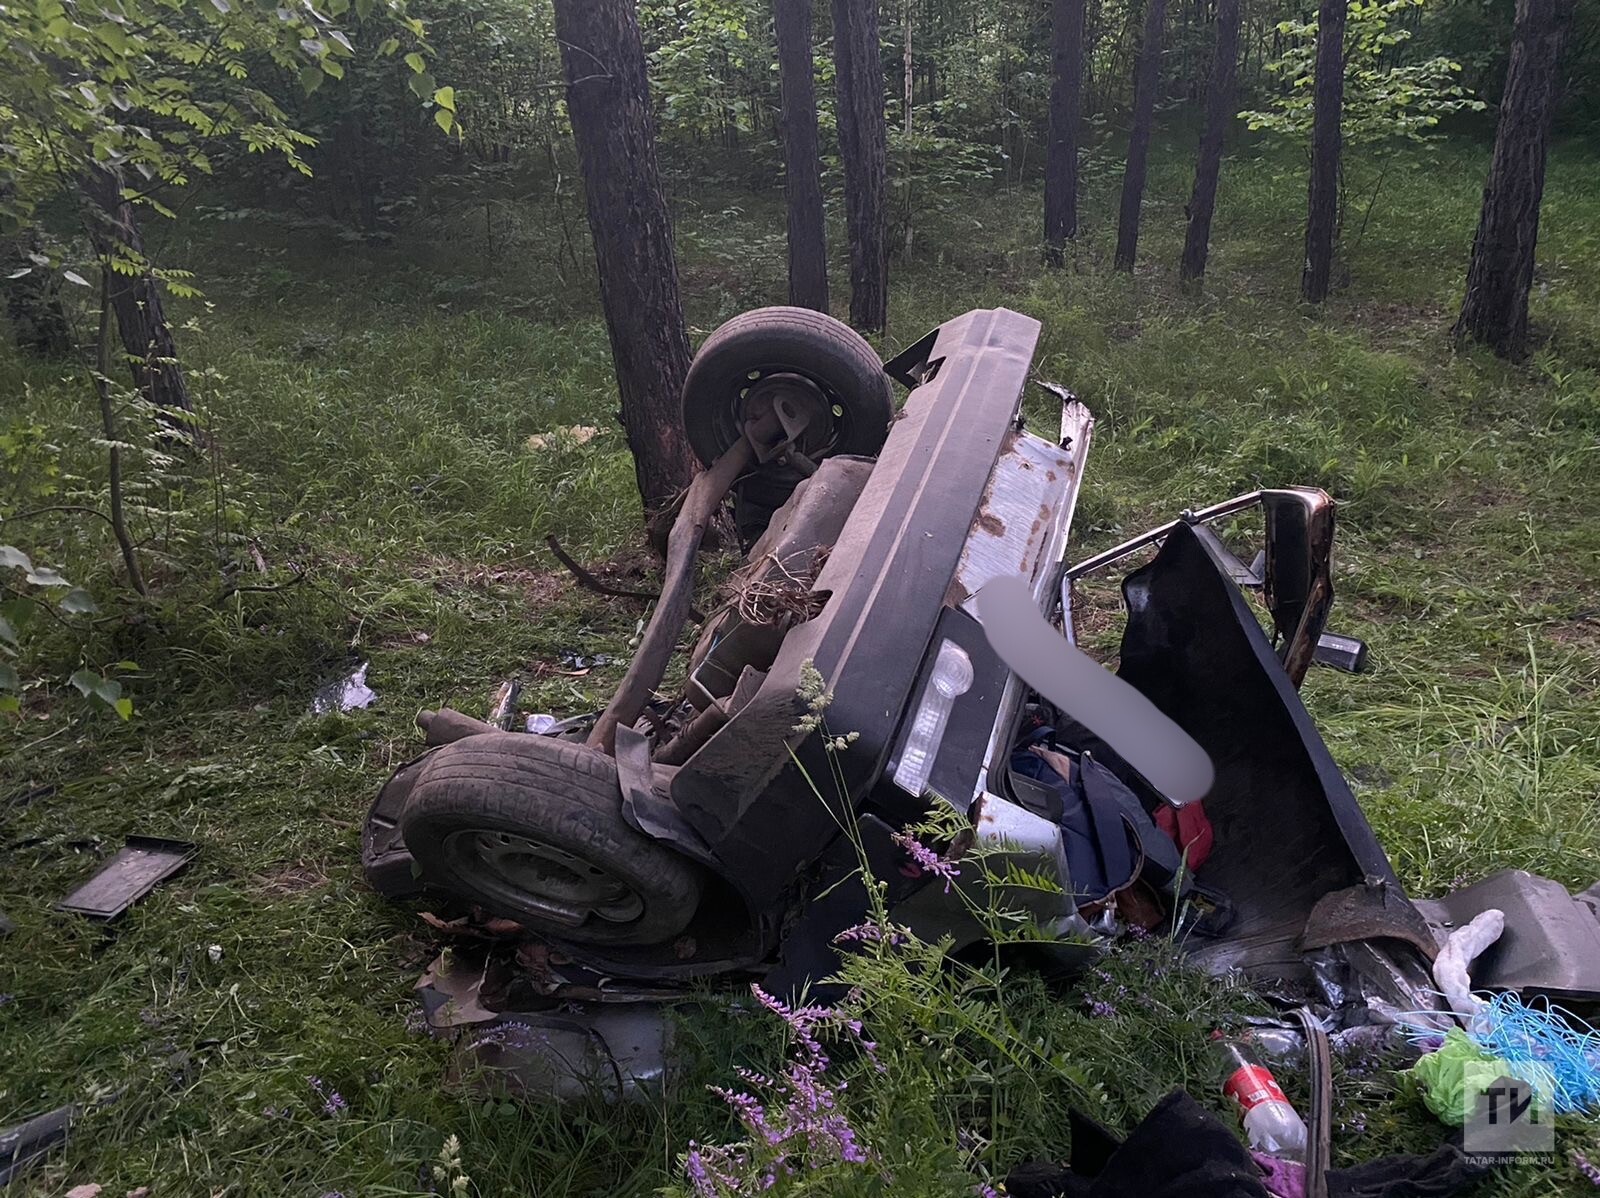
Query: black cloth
x,y
1179,1150
1441,1173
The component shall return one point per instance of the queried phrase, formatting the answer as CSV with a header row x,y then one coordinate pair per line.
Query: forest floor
x,y
372,407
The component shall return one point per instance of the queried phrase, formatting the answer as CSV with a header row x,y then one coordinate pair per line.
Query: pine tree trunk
x,y
802,160
1322,192
1147,76
1066,111
858,75
608,103
136,302
1495,309
1219,114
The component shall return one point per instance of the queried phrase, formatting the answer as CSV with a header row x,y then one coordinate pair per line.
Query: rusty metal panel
x,y
1019,515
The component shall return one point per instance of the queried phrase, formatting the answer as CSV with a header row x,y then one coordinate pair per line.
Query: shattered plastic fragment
x,y
344,694
541,723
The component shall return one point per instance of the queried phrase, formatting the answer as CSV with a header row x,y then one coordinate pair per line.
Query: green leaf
x,y
416,62
444,119
422,86
8,632
73,276
311,78
18,612
85,680
123,707
388,46
9,681
78,602
10,704
445,97
125,666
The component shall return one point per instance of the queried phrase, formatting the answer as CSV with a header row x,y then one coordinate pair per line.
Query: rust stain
x,y
991,524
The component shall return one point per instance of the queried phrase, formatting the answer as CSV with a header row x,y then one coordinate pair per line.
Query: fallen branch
x,y
589,582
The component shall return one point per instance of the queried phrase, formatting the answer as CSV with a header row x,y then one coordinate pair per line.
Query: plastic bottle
x,y
1269,1120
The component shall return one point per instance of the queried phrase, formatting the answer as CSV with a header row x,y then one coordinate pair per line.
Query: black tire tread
x,y
797,332
561,791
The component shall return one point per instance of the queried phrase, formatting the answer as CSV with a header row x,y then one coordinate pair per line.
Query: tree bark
x,y
1500,273
136,301
802,160
1219,114
608,104
1066,112
858,76
1147,76
1322,191
39,323
905,67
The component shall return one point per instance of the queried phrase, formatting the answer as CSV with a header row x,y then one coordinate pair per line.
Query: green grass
x,y
372,407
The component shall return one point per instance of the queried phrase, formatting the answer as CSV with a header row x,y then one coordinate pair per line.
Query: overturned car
x,y
862,671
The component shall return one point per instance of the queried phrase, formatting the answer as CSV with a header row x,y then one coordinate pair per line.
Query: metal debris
x,y
344,694
130,875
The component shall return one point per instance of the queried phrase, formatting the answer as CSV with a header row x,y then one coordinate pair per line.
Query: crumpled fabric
x,y
1451,967
1284,1179
1442,1173
1179,1150
1455,1069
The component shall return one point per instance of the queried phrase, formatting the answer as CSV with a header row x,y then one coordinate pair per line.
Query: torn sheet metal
x,y
130,875
611,1051
344,694
580,1049
1551,941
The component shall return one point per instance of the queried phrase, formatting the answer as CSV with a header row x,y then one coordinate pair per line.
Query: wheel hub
x,y
562,886
801,408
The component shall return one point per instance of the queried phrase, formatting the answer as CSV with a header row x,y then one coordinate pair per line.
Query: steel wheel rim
x,y
561,885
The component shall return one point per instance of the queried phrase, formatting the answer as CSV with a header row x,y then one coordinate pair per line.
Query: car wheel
x,y
813,360
531,828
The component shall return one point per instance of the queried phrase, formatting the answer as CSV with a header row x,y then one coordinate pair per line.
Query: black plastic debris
x,y
24,1143
133,873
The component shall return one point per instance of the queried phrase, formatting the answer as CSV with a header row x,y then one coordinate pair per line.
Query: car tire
x,y
531,828
783,340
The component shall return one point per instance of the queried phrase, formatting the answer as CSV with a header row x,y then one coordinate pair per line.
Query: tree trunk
x,y
802,161
1066,111
39,323
136,301
1219,113
906,67
1322,192
1147,75
1495,309
858,74
608,104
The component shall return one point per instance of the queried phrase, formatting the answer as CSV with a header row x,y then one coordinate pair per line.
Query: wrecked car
x,y
847,683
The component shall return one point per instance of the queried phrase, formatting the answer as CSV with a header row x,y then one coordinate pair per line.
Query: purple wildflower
x,y
925,861
871,933
1101,1010
334,1103
1586,1167
985,1190
1356,1124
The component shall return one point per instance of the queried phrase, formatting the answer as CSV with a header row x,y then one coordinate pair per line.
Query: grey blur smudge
x,y
1166,755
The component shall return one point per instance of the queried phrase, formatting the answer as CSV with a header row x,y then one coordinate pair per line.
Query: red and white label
x,y
1251,1086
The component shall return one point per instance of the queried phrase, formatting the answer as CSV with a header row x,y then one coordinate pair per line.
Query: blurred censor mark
x,y
1166,755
